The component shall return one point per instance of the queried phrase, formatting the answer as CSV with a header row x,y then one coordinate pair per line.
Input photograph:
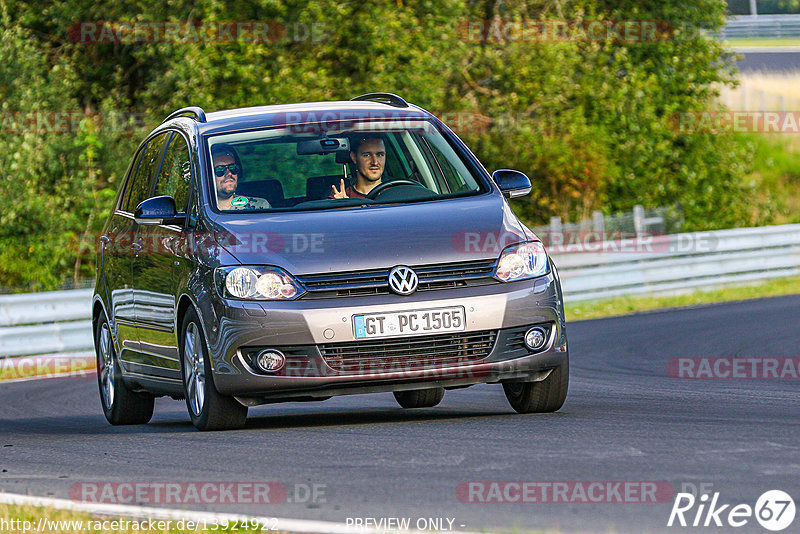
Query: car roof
x,y
308,112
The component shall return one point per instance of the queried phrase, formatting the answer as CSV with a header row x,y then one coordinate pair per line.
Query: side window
x,y
176,172
131,176
146,173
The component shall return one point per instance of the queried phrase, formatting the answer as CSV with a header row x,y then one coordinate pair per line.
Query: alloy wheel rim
x,y
194,374
106,372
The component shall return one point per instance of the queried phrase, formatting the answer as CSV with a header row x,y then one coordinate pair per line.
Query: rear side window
x,y
176,172
143,180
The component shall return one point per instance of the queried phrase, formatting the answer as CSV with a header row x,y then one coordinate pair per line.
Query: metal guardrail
x,y
761,26
678,262
52,306
58,322
46,323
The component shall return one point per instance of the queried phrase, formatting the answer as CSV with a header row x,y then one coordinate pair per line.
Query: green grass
x,y
579,311
763,41
774,176
89,522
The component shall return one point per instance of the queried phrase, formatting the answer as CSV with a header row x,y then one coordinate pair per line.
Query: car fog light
x,y
535,338
270,361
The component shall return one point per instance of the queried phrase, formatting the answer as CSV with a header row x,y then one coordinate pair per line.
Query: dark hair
x,y
224,149
357,141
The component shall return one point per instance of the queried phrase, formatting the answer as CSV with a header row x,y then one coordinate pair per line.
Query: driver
x,y
369,155
227,172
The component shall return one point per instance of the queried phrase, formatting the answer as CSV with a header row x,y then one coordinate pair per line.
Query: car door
x,y
154,267
118,266
141,189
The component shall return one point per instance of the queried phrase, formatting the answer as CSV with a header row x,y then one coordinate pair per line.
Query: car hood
x,y
375,237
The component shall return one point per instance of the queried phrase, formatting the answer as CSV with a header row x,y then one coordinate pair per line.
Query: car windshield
x,y
342,165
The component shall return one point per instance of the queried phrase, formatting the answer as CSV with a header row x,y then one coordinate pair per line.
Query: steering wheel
x,y
372,195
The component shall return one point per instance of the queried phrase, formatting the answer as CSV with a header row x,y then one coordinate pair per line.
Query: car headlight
x,y
522,261
257,283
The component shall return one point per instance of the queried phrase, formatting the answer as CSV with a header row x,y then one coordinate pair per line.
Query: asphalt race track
x,y
776,60
624,420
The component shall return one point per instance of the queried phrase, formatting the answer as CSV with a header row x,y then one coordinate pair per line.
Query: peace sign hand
x,y
337,193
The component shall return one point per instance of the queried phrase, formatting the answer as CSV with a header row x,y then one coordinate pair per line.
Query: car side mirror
x,y
158,210
512,183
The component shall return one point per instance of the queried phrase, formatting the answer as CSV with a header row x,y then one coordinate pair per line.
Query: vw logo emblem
x,y
403,280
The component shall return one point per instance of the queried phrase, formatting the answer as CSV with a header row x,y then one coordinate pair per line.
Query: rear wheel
x,y
547,395
208,409
121,405
419,398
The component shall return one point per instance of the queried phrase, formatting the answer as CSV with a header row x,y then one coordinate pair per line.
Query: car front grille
x,y
408,354
376,281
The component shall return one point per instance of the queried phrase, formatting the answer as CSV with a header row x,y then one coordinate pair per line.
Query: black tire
x,y
419,398
121,405
209,410
540,397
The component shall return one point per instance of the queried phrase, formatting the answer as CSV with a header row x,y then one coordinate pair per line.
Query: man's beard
x,y
222,195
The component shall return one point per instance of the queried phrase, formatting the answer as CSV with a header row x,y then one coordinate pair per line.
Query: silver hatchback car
x,y
297,252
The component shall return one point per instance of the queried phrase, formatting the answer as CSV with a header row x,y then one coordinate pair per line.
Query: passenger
x,y
227,172
369,155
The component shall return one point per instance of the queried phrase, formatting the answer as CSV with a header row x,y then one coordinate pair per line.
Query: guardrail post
x,y
638,220
599,224
753,8
556,230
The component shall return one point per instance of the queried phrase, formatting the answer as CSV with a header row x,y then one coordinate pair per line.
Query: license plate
x,y
409,323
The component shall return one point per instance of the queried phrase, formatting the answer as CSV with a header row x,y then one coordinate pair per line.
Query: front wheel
x,y
121,405
419,398
208,409
547,395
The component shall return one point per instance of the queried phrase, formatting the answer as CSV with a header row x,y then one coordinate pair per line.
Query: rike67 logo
x,y
774,510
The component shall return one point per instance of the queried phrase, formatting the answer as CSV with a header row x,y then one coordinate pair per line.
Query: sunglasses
x,y
219,170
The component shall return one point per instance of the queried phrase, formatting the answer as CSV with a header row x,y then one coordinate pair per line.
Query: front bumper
x,y
306,331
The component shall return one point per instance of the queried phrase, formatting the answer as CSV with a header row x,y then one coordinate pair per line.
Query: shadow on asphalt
x,y
96,425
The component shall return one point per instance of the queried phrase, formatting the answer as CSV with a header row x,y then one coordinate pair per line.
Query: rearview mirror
x,y
158,210
512,183
323,146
